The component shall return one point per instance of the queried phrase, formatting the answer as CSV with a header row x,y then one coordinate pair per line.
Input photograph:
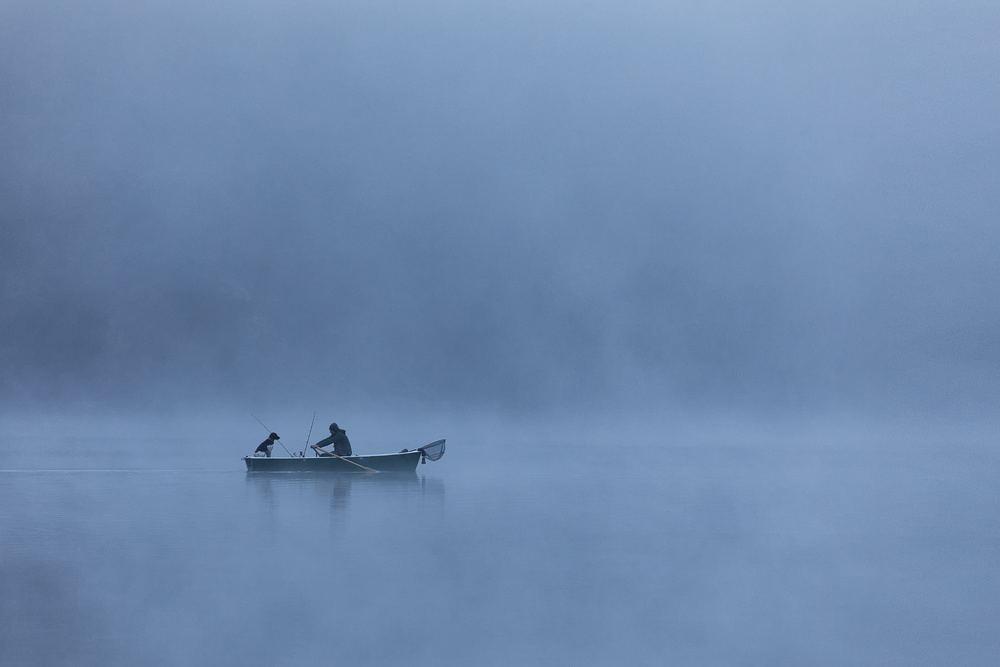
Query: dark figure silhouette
x,y
338,438
266,446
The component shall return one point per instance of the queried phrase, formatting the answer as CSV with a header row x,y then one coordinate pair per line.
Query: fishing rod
x,y
309,436
270,431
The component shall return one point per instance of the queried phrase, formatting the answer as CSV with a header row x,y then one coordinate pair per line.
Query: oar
x,y
269,432
320,449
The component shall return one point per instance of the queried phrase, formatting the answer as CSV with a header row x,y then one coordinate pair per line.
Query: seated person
x,y
338,438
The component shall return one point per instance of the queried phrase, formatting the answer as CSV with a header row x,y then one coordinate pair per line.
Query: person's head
x,y
334,428
273,437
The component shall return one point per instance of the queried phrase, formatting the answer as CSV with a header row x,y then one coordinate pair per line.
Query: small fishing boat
x,y
404,461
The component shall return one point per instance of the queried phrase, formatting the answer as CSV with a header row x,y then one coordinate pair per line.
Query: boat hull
x,y
402,462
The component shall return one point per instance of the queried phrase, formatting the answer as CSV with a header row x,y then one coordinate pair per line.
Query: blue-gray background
x,y
516,205
740,256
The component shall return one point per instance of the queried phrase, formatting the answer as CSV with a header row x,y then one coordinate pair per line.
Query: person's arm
x,y
324,442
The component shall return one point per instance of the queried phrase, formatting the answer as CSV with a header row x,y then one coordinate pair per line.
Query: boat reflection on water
x,y
289,489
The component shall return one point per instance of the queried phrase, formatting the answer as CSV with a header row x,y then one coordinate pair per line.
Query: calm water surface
x,y
539,554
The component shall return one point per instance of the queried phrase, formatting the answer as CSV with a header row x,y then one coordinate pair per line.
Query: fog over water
x,y
502,205
702,294
673,553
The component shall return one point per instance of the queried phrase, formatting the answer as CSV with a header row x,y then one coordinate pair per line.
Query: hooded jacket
x,y
341,445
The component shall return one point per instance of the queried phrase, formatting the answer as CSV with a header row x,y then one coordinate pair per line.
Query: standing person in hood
x,y
338,437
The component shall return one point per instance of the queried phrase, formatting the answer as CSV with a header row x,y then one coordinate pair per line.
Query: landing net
x,y
433,451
